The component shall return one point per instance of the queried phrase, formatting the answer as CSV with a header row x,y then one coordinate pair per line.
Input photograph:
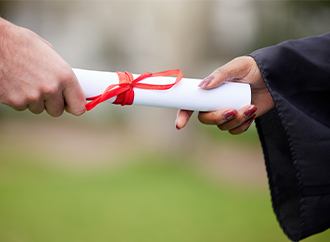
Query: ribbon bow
x,y
125,89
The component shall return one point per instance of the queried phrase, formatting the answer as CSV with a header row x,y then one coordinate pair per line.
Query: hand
x,y
242,69
34,76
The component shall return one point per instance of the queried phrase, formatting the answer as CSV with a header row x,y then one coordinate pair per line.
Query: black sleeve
x,y
295,135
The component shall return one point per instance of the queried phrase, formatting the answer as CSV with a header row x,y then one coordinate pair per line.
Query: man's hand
x,y
34,76
242,69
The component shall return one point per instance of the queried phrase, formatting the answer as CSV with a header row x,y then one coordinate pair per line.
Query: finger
x,y
16,102
20,108
35,102
232,71
217,117
55,105
243,127
182,119
243,115
74,96
36,107
66,108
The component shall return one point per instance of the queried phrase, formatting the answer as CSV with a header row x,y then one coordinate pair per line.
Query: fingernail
x,y
249,111
230,114
176,124
251,119
205,82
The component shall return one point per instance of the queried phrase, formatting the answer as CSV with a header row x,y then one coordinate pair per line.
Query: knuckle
x,y
221,70
51,89
16,101
33,97
216,118
17,104
213,118
66,74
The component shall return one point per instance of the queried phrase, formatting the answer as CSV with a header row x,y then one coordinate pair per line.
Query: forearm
x,y
304,62
3,23
295,135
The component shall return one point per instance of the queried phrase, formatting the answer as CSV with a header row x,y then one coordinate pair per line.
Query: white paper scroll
x,y
184,95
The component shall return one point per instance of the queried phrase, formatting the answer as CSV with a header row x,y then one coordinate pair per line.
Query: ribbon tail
x,y
105,96
93,103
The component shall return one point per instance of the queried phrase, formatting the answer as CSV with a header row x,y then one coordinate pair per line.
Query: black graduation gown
x,y
295,135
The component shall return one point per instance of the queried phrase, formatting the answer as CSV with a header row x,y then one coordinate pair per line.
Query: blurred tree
x,y
281,20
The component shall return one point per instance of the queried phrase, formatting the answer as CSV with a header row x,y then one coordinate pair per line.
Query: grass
x,y
249,137
145,201
152,198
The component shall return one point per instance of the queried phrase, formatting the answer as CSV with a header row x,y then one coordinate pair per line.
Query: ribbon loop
x,y
124,90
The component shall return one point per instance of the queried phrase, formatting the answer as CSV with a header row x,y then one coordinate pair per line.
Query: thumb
x,y
74,97
234,71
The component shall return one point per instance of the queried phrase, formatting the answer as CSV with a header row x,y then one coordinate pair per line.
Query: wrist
x,y
4,26
3,23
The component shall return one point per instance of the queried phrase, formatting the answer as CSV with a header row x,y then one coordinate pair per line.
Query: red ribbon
x,y
124,90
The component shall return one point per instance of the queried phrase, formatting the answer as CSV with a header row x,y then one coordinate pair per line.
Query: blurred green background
x,y
125,174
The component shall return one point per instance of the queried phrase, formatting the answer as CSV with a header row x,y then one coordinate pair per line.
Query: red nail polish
x,y
205,82
230,114
251,119
249,111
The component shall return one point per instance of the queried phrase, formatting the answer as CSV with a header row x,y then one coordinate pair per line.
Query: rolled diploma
x,y
184,95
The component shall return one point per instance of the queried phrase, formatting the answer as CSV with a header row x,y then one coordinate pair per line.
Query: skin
x,y
242,69
33,76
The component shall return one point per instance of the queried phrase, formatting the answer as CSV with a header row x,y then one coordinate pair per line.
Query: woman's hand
x,y
242,69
